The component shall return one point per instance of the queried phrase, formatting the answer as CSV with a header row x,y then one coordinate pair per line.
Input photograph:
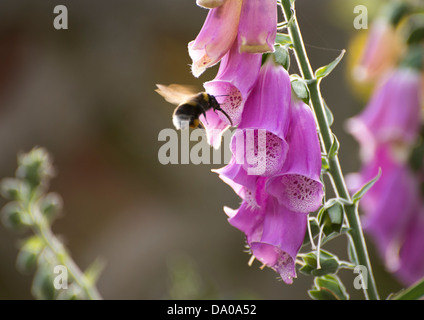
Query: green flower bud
x,y
51,205
14,217
35,167
42,285
14,189
29,253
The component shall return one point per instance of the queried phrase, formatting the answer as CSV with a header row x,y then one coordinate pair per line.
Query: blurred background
x,y
86,94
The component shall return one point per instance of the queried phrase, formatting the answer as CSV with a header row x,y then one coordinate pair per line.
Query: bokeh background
x,y
86,94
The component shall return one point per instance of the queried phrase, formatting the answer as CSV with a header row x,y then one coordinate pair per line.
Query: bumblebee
x,y
190,105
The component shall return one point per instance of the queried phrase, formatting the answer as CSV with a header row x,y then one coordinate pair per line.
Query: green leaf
x,y
283,39
322,294
328,263
300,89
328,114
414,292
325,165
358,195
334,150
331,218
328,287
281,56
326,70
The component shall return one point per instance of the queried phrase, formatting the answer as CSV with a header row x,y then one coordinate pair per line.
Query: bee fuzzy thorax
x,y
189,106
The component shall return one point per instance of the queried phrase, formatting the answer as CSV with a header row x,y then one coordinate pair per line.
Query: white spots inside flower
x,y
280,261
250,199
231,102
264,156
300,193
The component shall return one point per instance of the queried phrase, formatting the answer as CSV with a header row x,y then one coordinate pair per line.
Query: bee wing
x,y
175,93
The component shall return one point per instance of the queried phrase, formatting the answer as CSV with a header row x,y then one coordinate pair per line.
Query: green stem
x,y
356,234
42,229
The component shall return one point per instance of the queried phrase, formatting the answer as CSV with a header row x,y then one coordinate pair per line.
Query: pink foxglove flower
x,y
411,266
259,144
283,232
393,114
298,186
390,205
236,76
381,51
258,26
271,216
255,23
216,37
273,233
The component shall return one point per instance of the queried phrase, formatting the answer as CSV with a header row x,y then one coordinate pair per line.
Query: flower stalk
x,y
351,210
31,207
42,229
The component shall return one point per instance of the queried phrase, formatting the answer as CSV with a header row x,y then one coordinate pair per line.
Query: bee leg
x,y
204,115
225,114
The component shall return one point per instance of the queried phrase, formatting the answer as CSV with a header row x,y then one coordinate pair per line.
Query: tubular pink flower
x,y
390,205
273,233
380,53
236,76
282,236
258,26
236,177
259,144
411,267
216,37
393,114
298,185
249,217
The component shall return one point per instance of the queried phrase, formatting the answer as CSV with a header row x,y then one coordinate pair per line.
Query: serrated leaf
x,y
358,195
326,70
